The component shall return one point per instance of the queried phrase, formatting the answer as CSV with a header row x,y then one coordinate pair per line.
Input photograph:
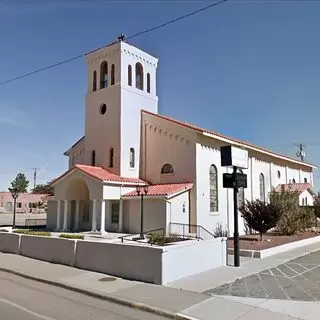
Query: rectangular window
x,y
85,214
93,158
115,207
19,205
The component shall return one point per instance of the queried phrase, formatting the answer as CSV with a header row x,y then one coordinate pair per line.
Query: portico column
x,y
120,228
76,225
103,217
58,215
65,216
94,216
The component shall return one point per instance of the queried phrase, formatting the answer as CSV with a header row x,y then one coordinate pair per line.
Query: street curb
x,y
121,301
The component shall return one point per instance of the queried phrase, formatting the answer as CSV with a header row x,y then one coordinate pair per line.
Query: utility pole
x,y
34,177
300,153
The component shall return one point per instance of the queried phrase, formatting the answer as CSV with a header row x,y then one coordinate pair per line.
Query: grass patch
x,y
71,236
33,233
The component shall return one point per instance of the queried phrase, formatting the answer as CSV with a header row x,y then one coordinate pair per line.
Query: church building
x,y
129,149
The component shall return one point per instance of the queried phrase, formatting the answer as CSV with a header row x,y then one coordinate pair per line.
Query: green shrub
x,y
307,217
219,231
33,233
71,236
293,218
260,216
160,240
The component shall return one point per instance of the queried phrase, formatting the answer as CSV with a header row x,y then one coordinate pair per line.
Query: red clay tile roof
x,y
165,190
219,135
101,174
294,187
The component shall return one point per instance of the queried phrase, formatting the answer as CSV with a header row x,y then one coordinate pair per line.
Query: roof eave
x,y
210,135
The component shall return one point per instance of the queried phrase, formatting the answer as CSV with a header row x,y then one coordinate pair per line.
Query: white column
x,y
58,214
94,216
65,216
120,228
103,217
76,225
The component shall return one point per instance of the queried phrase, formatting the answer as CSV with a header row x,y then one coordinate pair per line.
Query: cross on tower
x,y
122,37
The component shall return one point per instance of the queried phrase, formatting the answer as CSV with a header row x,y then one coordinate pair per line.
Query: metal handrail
x,y
198,228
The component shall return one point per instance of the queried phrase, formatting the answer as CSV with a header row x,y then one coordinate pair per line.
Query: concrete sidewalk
x,y
214,278
170,303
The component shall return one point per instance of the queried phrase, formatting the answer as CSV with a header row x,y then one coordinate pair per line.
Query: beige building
x,y
128,146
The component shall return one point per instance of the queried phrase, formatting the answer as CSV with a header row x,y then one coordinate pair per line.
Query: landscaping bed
x,y
270,240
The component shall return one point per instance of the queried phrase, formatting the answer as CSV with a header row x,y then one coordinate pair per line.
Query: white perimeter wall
x,y
192,257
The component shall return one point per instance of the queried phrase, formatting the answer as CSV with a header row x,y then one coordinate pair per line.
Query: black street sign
x,y
237,181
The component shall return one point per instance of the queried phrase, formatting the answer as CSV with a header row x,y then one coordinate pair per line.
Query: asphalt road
x,y
7,218
297,279
30,300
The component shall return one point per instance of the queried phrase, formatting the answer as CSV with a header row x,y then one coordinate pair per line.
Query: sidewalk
x,y
171,303
214,278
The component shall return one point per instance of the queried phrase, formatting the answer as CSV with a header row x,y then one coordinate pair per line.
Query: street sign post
x,y
237,158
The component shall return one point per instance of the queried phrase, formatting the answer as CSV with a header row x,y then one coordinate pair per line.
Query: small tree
x,y
260,216
43,189
20,183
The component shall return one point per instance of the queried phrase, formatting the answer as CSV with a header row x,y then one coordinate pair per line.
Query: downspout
x,y
166,231
251,169
145,151
270,173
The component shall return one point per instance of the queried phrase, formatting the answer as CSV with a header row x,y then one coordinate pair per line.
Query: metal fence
x,y
35,223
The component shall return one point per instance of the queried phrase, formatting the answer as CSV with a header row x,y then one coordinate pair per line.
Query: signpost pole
x,y
235,220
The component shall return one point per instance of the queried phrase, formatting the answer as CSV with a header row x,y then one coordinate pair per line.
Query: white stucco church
x,y
128,144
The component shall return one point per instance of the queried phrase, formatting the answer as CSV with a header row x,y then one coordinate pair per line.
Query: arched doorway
x,y
79,205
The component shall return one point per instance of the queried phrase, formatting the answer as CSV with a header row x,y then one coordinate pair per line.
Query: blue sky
x,y
246,69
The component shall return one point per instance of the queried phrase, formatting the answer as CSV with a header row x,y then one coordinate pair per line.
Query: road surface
x,y
30,300
7,218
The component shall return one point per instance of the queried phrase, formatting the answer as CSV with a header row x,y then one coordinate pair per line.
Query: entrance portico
x,y
85,201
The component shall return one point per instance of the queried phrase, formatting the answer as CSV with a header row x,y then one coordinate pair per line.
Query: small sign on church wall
x,y
232,156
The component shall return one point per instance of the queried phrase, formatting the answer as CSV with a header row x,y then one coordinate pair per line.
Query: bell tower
x,y
121,83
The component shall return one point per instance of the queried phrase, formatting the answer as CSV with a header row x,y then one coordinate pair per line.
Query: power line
x,y
51,66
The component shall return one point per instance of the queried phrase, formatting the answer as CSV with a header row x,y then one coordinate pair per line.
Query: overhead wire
x,y
65,61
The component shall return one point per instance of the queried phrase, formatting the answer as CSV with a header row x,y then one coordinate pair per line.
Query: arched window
x,y
262,188
132,158
104,75
148,82
279,174
93,158
112,75
240,195
111,155
139,76
293,180
129,75
167,168
94,81
305,180
213,175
